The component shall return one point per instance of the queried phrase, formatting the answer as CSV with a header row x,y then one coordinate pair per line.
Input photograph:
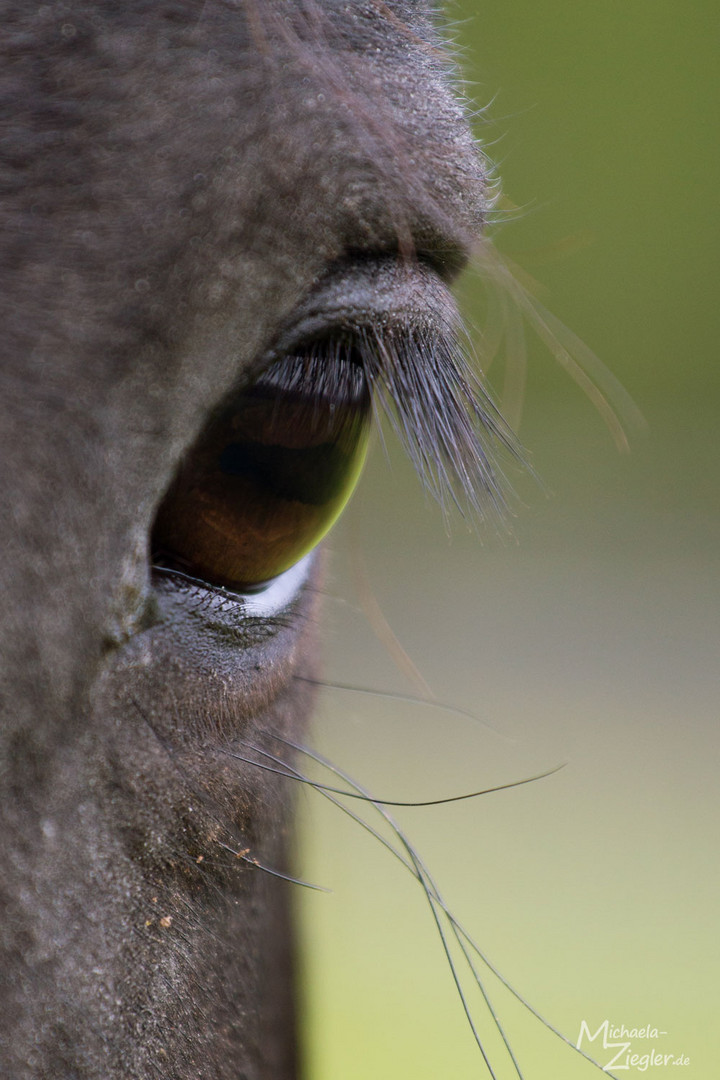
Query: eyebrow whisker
x,y
614,404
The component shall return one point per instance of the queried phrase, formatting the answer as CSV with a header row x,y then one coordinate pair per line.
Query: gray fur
x,y
176,179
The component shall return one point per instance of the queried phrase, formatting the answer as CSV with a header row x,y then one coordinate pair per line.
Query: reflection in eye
x,y
270,474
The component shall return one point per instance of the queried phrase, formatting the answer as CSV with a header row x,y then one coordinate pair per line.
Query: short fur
x,y
179,179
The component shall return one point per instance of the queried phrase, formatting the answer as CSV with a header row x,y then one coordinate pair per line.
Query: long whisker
x,y
412,862
429,884
410,699
375,799
244,856
415,866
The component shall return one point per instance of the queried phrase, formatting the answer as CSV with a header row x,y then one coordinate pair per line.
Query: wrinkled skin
x,y
177,178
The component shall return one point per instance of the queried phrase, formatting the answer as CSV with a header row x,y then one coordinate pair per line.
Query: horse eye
x,y
269,475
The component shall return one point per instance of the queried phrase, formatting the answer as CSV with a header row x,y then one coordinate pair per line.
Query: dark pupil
x,y
269,475
315,475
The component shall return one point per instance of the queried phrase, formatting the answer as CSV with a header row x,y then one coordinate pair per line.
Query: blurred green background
x,y
590,638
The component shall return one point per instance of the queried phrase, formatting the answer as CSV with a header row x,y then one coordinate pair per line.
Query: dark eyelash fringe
x,y
444,418
329,371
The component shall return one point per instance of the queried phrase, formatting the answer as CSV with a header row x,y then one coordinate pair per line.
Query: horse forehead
x,y
123,117
186,176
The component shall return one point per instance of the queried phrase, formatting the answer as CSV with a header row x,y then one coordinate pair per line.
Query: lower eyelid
x,y
268,600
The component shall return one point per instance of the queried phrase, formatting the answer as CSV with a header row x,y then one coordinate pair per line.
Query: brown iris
x,y
269,475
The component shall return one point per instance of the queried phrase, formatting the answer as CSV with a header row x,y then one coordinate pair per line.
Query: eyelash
x,y
444,418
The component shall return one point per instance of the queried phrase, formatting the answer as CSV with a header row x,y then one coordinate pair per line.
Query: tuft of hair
x,y
444,417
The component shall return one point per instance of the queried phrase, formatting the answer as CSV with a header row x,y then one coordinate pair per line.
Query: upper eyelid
x,y
378,296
